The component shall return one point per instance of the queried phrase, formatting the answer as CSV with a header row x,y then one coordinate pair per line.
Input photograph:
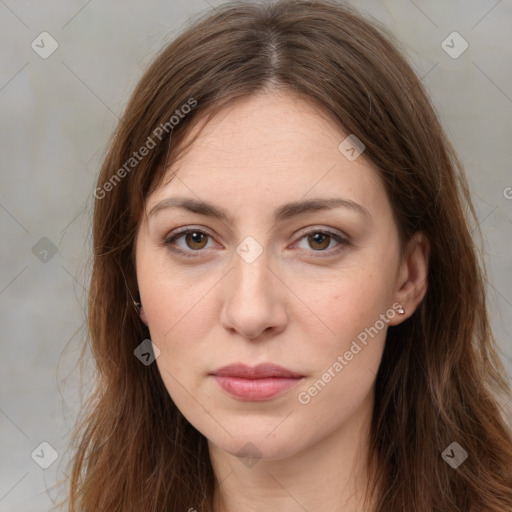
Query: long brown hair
x,y
440,380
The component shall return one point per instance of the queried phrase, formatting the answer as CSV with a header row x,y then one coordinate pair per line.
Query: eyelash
x,y
168,241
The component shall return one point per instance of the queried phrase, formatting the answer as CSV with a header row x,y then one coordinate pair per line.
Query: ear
x,y
142,315
412,281
141,312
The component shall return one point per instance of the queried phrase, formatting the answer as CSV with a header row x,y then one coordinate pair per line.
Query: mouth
x,y
255,383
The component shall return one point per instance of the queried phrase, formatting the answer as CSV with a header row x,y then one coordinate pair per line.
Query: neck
x,y
330,474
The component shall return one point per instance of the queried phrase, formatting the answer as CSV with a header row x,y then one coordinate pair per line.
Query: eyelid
x,y
186,229
319,229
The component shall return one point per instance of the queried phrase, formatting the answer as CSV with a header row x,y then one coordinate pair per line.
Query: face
x,y
269,272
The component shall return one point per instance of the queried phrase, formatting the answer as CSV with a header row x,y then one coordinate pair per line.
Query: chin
x,y
256,443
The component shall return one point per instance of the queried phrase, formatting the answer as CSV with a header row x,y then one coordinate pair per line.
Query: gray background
x,y
57,116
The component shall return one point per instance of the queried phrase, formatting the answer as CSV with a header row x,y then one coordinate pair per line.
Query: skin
x,y
299,304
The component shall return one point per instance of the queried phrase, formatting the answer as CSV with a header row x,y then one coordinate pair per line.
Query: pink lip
x,y
256,383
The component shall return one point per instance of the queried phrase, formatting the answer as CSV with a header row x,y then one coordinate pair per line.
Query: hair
x,y
440,379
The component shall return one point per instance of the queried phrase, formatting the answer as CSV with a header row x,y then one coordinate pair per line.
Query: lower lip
x,y
255,389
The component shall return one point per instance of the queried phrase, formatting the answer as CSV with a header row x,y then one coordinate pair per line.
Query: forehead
x,y
268,149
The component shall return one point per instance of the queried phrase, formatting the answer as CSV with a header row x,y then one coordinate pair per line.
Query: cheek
x,y
179,321
348,304
345,360
173,298
345,364
179,325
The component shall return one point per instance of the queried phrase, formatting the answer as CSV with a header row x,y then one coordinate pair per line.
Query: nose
x,y
254,305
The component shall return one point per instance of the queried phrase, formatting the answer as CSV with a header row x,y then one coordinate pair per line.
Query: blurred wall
x,y
59,105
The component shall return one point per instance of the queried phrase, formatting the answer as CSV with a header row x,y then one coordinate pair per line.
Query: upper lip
x,y
259,371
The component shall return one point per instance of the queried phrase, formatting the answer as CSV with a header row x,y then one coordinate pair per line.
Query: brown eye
x,y
196,240
319,241
189,241
323,243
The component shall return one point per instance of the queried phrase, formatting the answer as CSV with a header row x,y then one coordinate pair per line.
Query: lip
x,y
255,383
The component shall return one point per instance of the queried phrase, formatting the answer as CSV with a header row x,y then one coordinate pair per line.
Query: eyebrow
x,y
284,212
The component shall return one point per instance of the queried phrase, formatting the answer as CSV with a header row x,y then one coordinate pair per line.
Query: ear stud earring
x,y
401,311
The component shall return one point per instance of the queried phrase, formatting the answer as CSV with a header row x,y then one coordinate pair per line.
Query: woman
x,y
286,308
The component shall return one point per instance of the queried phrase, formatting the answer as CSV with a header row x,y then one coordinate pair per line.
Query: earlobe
x,y
142,315
141,312
412,281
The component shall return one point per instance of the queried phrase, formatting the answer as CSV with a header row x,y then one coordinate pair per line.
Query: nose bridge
x,y
251,271
251,277
252,304
251,285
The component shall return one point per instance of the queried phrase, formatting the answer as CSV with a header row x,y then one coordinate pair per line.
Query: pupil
x,y
320,238
196,237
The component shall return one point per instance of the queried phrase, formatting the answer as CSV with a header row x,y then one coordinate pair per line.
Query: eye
x,y
194,239
320,240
